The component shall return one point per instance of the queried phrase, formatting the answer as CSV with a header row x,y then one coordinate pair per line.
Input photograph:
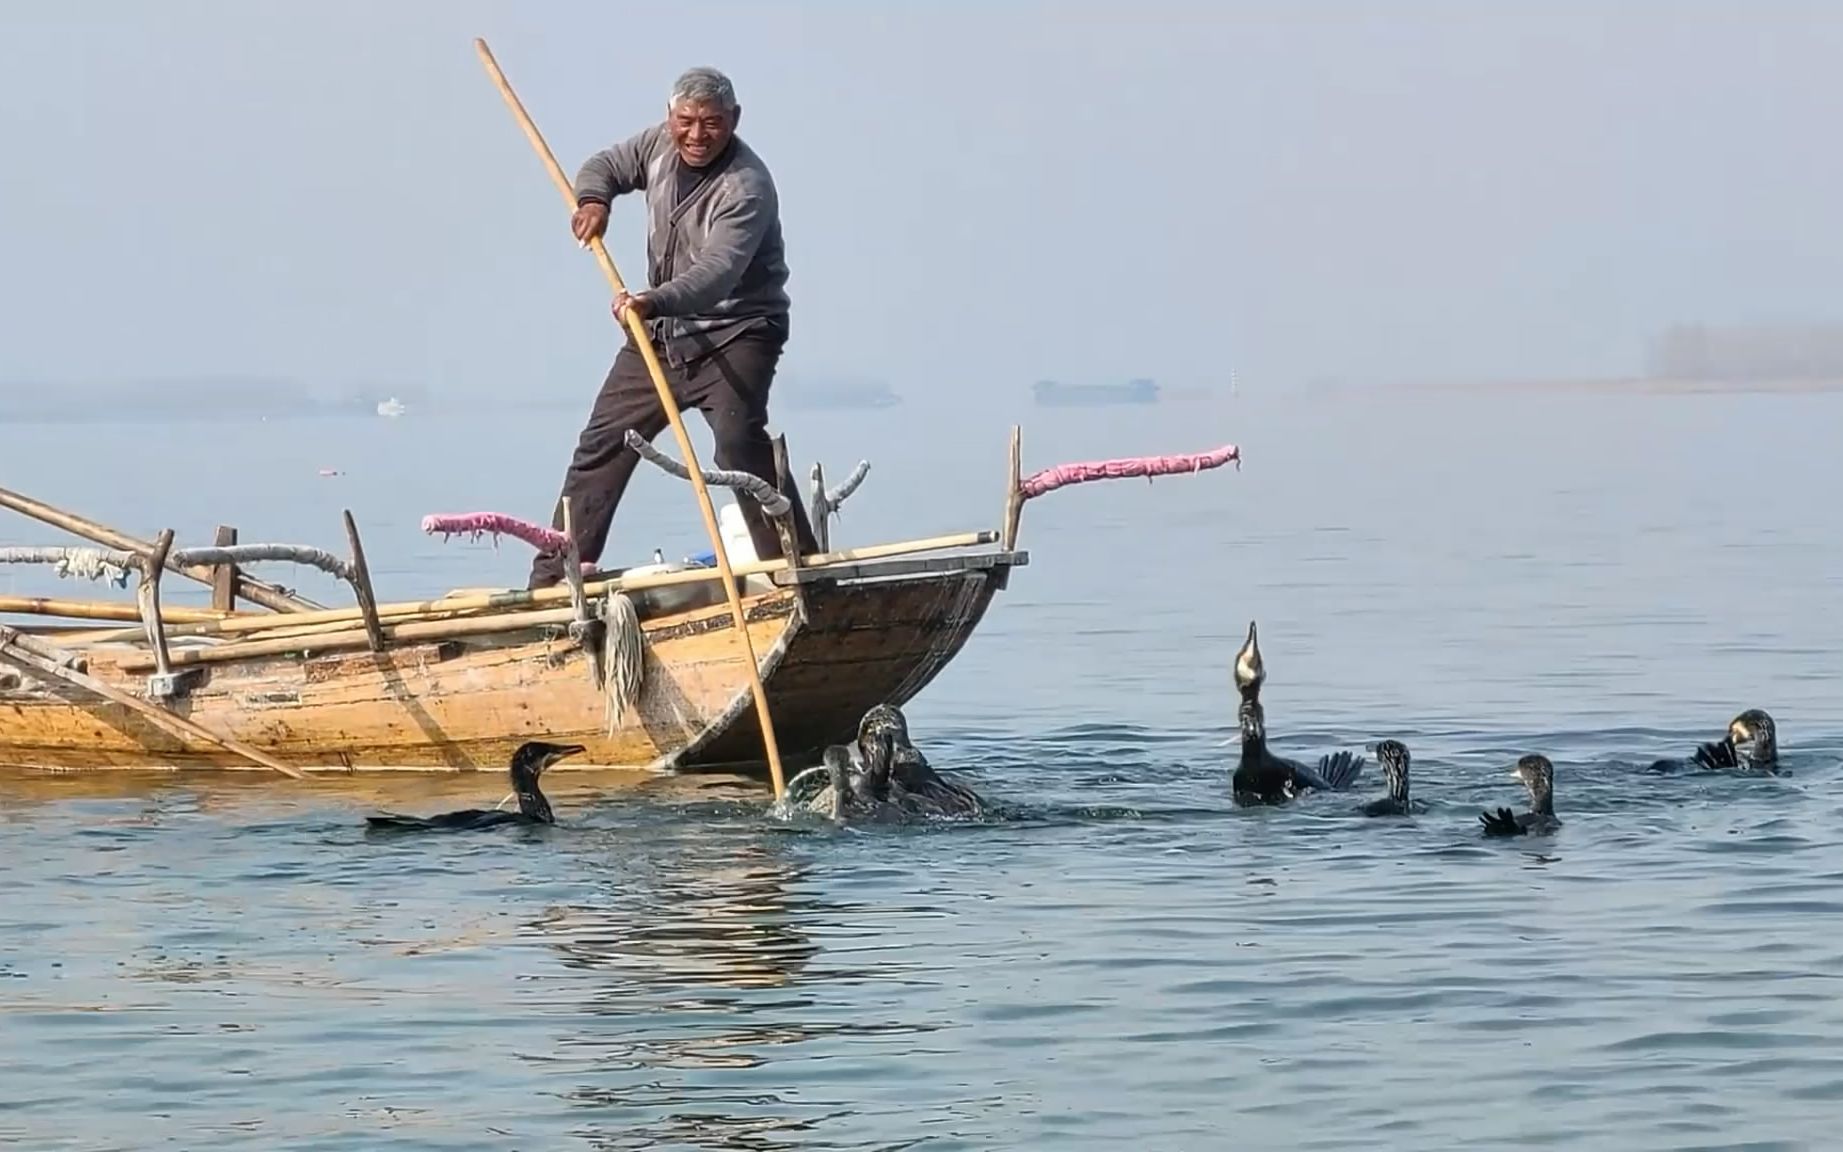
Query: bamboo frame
x,y
478,602
410,631
256,591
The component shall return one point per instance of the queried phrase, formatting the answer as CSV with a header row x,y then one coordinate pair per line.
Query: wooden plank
x,y
361,586
28,654
224,576
915,566
1014,495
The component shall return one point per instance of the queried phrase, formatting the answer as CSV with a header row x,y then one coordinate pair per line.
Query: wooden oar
x,y
43,660
638,329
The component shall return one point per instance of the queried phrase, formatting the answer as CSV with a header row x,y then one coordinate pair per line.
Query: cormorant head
x,y
877,749
528,763
1538,775
885,716
534,756
1393,756
1250,673
1755,739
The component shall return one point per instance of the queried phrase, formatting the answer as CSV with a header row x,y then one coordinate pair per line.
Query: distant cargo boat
x,y
1055,394
1784,352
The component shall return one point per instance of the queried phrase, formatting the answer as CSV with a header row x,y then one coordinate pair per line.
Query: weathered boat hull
x,y
830,646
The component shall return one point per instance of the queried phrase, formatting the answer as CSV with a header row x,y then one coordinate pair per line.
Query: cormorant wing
x,y
1503,822
1717,754
448,821
807,786
1335,773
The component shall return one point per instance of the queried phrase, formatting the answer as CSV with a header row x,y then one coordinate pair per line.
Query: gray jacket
x,y
714,262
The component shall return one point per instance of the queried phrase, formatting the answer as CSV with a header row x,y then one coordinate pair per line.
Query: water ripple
x,y
1126,959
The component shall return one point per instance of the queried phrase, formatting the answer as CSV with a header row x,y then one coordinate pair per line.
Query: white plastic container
x,y
741,547
672,597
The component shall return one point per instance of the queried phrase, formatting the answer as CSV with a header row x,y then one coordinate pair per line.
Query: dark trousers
x,y
730,387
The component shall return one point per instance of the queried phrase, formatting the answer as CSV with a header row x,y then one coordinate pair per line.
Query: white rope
x,y
623,657
83,563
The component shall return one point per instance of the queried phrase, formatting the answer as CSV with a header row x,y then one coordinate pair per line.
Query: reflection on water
x,y
681,960
722,921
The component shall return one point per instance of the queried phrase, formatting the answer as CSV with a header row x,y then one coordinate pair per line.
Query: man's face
x,y
700,130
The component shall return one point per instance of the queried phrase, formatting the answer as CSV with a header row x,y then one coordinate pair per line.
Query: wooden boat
x,y
644,669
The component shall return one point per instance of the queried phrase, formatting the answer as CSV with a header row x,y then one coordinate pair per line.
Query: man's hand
x,y
589,221
626,300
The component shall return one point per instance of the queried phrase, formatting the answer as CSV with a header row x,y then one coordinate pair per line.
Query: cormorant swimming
x,y
890,779
883,735
1393,756
1262,777
1751,745
1538,775
528,763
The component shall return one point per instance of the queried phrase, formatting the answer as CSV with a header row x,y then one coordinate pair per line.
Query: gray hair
x,y
704,86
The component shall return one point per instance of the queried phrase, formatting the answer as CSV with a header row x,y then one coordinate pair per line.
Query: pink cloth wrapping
x,y
1051,479
498,524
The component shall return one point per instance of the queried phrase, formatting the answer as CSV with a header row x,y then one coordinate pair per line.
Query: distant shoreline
x,y
1634,385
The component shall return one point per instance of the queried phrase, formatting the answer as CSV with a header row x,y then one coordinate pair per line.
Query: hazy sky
x,y
974,195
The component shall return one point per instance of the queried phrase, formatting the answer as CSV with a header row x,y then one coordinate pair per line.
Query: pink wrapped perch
x,y
477,524
1051,479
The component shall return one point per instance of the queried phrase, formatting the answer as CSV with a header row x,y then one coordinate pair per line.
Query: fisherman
x,y
716,310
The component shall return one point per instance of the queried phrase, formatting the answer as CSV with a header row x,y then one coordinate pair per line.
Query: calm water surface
x,y
1129,961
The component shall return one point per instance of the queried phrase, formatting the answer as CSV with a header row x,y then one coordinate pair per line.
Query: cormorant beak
x,y
1250,672
561,752
879,756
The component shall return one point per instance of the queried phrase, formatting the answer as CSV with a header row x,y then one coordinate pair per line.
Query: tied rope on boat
x,y
623,657
78,563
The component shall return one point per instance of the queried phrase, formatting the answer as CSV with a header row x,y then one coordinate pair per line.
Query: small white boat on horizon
x,y
391,407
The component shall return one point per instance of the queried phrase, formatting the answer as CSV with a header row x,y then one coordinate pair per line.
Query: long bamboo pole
x,y
257,591
114,610
637,329
353,638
